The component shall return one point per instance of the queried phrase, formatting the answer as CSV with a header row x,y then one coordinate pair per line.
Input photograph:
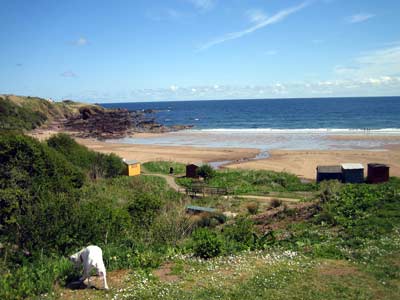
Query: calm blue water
x,y
328,114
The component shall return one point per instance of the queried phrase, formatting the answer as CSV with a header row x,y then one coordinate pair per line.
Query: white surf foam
x,y
395,131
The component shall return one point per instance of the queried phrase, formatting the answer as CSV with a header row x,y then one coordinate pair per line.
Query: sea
x,y
274,123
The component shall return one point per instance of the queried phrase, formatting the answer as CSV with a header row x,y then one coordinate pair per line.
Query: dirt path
x,y
170,180
173,185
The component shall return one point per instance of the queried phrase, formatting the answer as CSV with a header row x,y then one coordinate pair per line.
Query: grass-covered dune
x,y
27,113
340,242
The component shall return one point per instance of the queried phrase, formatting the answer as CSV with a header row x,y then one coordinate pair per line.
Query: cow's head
x,y
75,259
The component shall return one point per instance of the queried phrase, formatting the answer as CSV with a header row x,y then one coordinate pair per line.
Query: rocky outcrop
x,y
95,121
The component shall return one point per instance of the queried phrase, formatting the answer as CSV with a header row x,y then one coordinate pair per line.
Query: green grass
x,y
27,113
254,182
258,275
163,167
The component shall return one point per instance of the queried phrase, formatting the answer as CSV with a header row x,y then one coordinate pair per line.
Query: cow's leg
x,y
86,274
104,275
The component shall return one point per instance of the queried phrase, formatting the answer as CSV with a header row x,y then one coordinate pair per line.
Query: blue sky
x,y
125,50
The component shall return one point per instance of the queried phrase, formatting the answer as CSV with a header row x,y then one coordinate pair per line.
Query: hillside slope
x,y
27,113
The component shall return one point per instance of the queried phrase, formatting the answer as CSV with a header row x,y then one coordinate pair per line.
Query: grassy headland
x,y
27,113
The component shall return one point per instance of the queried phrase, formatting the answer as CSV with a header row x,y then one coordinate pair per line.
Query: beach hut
x,y
329,173
191,171
352,173
377,173
132,167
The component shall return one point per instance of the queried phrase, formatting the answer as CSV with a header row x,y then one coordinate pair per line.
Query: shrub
x,y
275,203
329,190
206,243
252,207
143,209
206,171
35,278
208,219
95,164
37,194
242,233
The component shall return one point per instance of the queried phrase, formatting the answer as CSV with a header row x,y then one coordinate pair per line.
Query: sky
x,y
156,50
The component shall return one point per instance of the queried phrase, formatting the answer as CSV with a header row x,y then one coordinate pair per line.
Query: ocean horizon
x,y
378,115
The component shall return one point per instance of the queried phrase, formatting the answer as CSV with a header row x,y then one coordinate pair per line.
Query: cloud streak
x,y
359,18
382,62
260,21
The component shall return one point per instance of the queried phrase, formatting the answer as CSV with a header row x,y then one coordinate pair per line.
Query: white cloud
x,y
256,15
69,74
203,4
173,88
80,42
382,62
372,86
358,18
264,22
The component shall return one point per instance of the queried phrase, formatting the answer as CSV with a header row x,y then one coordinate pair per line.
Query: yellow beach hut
x,y
132,167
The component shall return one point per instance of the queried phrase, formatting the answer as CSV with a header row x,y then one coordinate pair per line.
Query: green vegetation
x,y
163,167
343,245
253,182
50,209
27,113
96,164
206,171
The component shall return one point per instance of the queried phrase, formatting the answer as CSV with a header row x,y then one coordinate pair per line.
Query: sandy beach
x,y
182,154
299,162
304,162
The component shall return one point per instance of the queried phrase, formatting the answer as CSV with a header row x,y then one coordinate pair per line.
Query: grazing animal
x,y
92,258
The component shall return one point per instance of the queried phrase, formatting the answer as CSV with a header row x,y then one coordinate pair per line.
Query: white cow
x,y
92,258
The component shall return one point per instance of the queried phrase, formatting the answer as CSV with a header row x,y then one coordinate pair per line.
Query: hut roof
x,y
329,169
376,165
131,162
352,166
200,208
191,165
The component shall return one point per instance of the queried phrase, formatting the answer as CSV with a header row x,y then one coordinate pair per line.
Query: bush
x,y
241,233
208,219
252,207
275,203
206,243
329,191
143,209
363,210
206,171
35,278
95,164
37,194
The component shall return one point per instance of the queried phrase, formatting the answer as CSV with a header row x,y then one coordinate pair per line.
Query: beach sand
x,y
184,154
300,162
303,162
